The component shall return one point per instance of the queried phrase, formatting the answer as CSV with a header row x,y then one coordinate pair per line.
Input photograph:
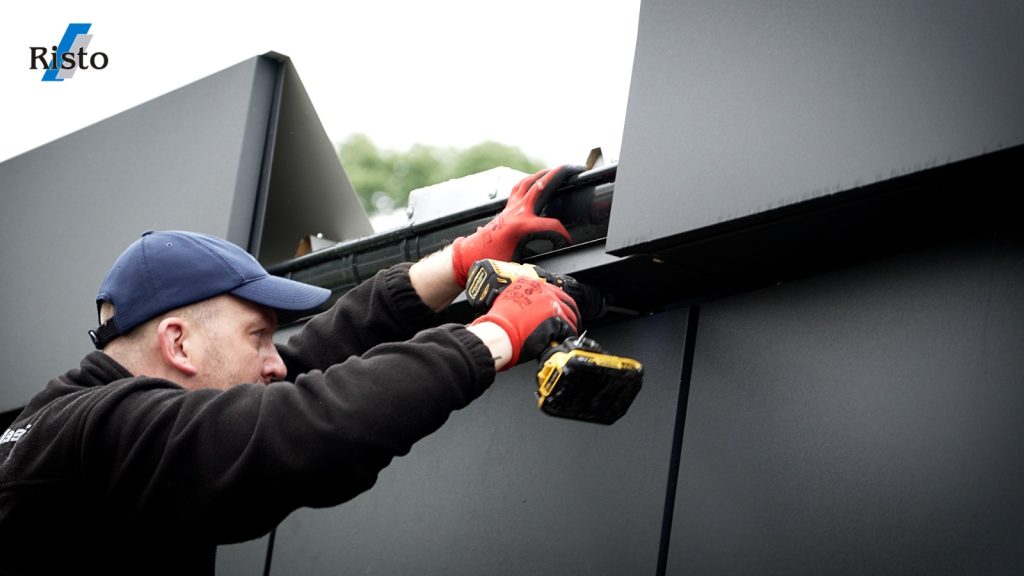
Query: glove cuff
x,y
459,267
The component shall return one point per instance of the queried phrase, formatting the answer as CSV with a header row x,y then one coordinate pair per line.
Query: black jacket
x,y
110,469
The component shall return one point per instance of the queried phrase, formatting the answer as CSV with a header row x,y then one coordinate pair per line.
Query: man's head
x,y
197,310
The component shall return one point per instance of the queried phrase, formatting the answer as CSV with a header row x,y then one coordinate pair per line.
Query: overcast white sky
x,y
549,76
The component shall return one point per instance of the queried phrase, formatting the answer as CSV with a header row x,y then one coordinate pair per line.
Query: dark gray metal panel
x,y
864,422
505,489
189,159
739,108
244,559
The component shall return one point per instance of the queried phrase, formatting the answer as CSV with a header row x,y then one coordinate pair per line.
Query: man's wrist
x,y
433,279
496,340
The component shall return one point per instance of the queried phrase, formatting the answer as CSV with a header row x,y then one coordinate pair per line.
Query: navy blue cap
x,y
165,270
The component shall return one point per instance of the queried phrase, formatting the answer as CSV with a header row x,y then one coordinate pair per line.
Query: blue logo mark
x,y
69,56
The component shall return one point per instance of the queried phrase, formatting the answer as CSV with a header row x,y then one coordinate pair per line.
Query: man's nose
x,y
273,365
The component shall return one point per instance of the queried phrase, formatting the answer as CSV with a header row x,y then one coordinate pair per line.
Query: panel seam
x,y
685,374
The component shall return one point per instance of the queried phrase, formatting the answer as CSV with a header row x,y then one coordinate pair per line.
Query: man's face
x,y
234,345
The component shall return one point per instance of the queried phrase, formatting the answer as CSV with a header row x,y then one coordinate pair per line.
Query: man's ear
x,y
171,334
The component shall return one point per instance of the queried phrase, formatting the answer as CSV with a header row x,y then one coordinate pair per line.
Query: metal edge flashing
x,y
966,198
263,186
896,188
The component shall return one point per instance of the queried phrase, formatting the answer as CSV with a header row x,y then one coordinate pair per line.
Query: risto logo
x,y
62,61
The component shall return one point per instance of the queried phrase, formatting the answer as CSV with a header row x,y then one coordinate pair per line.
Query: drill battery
x,y
578,380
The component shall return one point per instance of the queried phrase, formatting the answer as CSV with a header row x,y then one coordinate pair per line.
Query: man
x,y
188,427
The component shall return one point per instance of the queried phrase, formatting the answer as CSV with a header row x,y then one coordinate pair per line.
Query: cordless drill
x,y
577,379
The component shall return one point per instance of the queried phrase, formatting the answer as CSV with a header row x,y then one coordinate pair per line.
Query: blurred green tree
x,y
487,155
384,178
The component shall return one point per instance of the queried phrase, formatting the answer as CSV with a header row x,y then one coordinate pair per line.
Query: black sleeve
x,y
231,464
385,308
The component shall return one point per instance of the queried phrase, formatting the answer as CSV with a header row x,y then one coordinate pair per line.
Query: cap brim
x,y
283,294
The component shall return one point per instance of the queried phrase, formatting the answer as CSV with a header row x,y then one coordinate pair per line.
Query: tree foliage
x,y
384,178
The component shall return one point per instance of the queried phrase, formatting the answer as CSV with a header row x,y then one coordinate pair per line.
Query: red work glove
x,y
534,314
520,222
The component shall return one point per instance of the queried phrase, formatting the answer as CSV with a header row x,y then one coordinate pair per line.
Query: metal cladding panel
x,y
742,108
863,422
306,190
244,559
502,488
189,159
